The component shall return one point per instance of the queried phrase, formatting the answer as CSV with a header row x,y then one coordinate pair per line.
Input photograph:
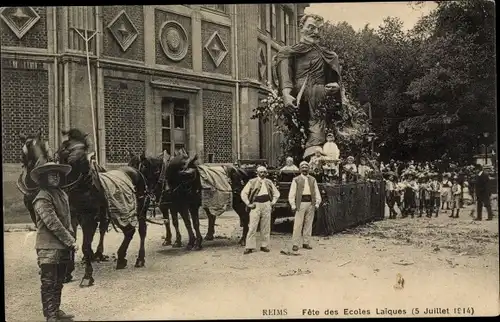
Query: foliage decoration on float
x,y
345,119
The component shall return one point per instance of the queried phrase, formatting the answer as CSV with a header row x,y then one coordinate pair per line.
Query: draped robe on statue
x,y
321,66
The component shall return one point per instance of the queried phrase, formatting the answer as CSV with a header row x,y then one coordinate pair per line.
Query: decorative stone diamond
x,y
174,40
19,19
123,30
262,63
216,49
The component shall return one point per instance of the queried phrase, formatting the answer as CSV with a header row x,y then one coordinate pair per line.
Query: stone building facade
x,y
162,76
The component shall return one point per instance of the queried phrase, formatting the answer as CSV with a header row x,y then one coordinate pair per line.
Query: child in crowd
x,y
363,169
456,191
316,161
467,195
392,197
446,192
410,195
435,194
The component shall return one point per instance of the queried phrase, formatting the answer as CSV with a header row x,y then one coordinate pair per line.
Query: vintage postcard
x,y
250,161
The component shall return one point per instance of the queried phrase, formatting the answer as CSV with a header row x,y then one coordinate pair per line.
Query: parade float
x,y
309,101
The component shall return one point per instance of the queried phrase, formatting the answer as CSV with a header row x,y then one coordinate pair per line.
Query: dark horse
x,y
89,204
35,152
189,194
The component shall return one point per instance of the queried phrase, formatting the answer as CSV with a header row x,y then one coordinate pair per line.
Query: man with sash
x,y
259,194
304,199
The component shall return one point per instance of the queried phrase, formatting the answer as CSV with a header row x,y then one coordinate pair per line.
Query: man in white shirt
x,y
259,194
304,199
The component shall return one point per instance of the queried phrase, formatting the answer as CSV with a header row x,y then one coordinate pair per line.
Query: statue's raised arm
x,y
307,73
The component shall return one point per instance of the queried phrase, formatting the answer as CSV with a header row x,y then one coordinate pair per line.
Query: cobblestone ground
x,y
446,263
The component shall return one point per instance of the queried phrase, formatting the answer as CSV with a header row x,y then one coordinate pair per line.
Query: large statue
x,y
307,73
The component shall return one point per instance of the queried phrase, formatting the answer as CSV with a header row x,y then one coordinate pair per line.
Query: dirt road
x,y
447,264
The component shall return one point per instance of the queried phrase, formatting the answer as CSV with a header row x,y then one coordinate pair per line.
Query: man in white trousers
x,y
259,194
304,198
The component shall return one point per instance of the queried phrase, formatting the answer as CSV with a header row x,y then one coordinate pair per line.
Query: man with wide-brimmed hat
x,y
55,237
259,194
304,198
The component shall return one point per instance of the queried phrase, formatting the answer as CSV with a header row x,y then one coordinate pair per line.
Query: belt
x,y
263,198
306,198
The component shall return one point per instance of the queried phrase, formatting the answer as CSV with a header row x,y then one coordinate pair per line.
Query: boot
x,y
451,216
458,210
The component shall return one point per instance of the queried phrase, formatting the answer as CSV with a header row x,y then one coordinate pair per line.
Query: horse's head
x,y
182,171
35,150
150,167
74,151
239,177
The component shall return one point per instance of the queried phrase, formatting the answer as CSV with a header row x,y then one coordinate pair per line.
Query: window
x,y
179,118
273,21
288,27
166,127
268,18
282,25
262,17
218,7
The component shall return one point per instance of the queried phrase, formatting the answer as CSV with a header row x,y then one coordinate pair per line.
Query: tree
x,y
457,81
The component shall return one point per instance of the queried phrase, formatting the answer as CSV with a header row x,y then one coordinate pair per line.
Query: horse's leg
x,y
211,225
89,226
142,234
71,266
184,211
143,205
28,203
128,234
166,222
103,229
175,221
240,209
195,215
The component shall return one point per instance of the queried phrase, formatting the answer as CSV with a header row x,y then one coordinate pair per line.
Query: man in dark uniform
x,y
483,193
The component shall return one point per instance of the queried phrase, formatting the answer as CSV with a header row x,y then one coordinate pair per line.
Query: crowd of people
x,y
416,188
426,188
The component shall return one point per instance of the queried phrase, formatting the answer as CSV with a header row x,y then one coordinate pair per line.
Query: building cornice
x,y
128,66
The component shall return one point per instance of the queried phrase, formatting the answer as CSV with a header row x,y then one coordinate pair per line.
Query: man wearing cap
x,y
54,237
259,194
304,199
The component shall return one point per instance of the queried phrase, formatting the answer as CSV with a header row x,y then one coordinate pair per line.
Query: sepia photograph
x,y
250,161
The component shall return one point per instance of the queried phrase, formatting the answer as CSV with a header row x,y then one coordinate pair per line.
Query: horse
x,y
151,168
88,201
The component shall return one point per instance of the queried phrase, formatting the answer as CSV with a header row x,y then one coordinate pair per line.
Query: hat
x,y
261,169
49,167
350,157
304,164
